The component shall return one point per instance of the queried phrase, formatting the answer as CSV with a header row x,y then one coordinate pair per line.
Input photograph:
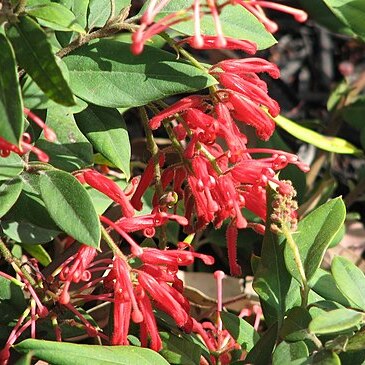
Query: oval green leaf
x,y
105,128
11,166
314,234
335,321
331,144
72,151
287,352
70,206
38,252
240,330
9,194
178,350
56,16
34,54
62,353
99,11
351,13
105,73
11,106
350,280
236,21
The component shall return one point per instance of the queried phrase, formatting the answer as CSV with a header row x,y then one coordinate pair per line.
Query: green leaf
x,y
34,54
322,14
99,11
105,73
12,302
70,206
11,107
240,330
315,232
28,220
351,13
56,16
72,151
62,353
325,357
350,280
335,321
80,9
38,252
261,352
272,282
323,283
25,360
236,21
9,194
105,128
286,352
331,144
295,324
177,350
11,166
354,113
356,342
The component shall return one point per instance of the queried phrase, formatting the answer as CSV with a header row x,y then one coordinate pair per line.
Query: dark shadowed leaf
x,y
28,220
105,128
295,324
261,352
62,353
12,302
34,54
70,206
286,352
240,330
351,13
105,73
9,194
11,107
178,350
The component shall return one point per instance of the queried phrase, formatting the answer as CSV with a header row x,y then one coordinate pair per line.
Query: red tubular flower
x,y
110,189
212,42
122,315
250,113
77,271
193,101
163,298
145,181
173,258
232,234
250,91
148,326
255,7
249,65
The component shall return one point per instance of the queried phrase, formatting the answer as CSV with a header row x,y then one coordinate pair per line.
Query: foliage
x,y
93,233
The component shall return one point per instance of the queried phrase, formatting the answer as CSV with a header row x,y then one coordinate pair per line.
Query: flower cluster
x,y
200,8
222,175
